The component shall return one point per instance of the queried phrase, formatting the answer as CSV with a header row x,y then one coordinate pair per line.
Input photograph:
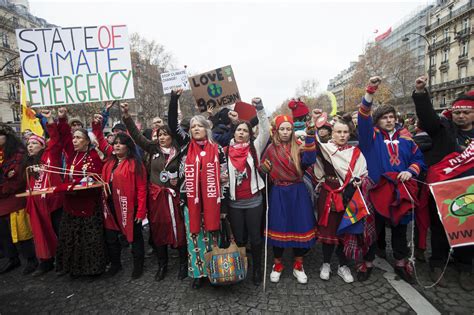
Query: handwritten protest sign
x,y
72,65
215,88
172,80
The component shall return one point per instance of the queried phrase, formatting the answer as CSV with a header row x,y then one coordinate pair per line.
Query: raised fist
x,y
124,108
62,112
420,83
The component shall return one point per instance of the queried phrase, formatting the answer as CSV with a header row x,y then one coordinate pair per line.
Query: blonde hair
x,y
295,149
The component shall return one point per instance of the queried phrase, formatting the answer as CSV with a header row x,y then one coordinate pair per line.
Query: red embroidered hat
x,y
281,119
464,101
298,108
37,138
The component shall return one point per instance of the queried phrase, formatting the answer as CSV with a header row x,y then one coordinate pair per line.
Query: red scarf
x,y
452,165
238,154
283,169
334,195
202,173
126,197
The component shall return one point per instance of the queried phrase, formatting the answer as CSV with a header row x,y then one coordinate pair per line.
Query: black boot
x,y
183,263
162,269
257,264
11,264
31,265
114,250
197,283
44,267
137,267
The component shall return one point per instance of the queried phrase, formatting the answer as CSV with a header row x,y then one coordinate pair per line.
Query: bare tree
x,y
307,88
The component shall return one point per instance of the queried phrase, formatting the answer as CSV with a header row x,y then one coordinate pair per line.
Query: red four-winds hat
x,y
298,108
464,101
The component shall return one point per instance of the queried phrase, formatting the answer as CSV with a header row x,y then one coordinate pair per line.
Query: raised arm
x,y
263,126
181,136
364,119
65,132
429,120
54,146
141,140
104,146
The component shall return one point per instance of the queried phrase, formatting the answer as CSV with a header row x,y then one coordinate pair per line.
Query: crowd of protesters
x,y
183,176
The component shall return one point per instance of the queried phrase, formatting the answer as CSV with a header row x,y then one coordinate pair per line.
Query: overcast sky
x,y
271,45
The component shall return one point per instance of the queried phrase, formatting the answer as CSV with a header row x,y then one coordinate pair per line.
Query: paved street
x,y
49,294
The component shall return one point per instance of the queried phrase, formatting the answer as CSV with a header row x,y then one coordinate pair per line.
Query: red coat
x,y
129,190
84,202
11,186
391,199
39,207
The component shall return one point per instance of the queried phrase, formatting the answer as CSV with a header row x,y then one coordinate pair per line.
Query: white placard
x,y
176,79
70,65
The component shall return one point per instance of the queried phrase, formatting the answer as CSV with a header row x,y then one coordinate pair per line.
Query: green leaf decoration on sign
x,y
462,220
448,201
470,189
228,71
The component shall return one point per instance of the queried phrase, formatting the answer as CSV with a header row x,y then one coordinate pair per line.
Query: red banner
x,y
383,35
455,203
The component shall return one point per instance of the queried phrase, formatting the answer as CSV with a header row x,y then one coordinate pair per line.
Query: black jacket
x,y
442,131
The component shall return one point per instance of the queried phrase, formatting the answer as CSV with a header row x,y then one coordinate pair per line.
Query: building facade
x,y
339,83
13,14
450,54
404,37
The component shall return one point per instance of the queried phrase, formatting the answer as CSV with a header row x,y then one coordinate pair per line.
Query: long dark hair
x,y
253,151
132,153
13,144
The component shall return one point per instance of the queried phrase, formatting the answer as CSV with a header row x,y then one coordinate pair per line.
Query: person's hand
x,y
257,102
46,113
62,112
234,116
98,119
315,114
373,85
356,182
177,92
420,83
138,220
174,181
108,105
11,173
124,109
404,176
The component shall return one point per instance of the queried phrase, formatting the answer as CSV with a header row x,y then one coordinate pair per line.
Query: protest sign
x,y
455,203
215,88
177,79
69,65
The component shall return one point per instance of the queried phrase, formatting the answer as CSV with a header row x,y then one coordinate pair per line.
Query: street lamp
x,y
405,39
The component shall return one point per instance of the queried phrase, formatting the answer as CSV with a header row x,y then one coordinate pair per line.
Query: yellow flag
x,y
333,100
28,119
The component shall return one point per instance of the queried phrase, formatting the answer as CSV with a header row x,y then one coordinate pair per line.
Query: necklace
x,y
73,165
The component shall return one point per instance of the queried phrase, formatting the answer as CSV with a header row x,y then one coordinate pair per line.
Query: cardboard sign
x,y
72,65
215,88
455,203
177,79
